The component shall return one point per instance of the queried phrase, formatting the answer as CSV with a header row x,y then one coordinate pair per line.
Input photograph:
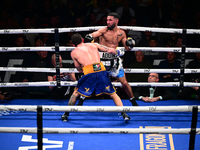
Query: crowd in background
x,y
35,14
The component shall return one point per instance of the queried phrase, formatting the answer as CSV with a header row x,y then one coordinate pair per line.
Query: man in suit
x,y
152,94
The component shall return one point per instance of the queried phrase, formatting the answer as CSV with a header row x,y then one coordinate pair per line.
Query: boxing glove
x,y
89,38
120,51
130,42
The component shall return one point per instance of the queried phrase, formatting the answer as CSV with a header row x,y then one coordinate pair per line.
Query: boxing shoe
x,y
80,103
125,116
64,117
133,102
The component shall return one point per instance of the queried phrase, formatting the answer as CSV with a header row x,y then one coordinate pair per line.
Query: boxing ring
x,y
37,124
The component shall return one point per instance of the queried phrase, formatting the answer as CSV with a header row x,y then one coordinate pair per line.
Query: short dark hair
x,y
114,14
76,39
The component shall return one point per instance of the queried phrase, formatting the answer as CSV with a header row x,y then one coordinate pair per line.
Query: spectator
x,y
153,42
144,41
140,62
125,12
169,63
102,9
152,94
26,24
159,12
102,21
136,35
64,91
38,59
194,64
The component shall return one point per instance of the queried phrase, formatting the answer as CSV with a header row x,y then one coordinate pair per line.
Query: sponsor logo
x,y
23,131
22,109
48,109
21,84
147,70
52,83
74,109
72,30
71,69
4,48
176,50
87,89
108,88
174,85
127,70
175,71
25,31
23,49
100,109
193,71
73,131
51,132
6,31
148,31
152,108
126,109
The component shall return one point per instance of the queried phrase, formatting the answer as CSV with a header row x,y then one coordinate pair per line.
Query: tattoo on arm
x,y
72,100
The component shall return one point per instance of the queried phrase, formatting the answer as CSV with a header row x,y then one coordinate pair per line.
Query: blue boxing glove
x,y
120,51
89,39
130,42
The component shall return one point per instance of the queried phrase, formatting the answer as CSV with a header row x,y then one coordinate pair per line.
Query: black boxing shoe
x,y
125,116
133,102
64,117
80,103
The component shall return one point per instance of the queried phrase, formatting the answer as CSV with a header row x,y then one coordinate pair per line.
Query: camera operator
x,y
190,92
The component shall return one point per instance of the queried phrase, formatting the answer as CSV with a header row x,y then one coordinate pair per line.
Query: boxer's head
x,y
76,39
112,20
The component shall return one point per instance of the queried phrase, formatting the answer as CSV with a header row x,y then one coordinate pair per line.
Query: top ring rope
x,y
62,48
78,29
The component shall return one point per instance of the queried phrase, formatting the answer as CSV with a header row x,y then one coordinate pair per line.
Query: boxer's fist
x,y
89,38
130,42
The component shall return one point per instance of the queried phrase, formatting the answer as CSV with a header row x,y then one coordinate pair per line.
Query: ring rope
x,y
74,70
117,84
79,29
49,108
99,130
63,48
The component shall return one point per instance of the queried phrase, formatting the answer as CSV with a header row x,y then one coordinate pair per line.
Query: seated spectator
x,y
169,63
194,64
65,90
140,62
153,42
152,94
38,59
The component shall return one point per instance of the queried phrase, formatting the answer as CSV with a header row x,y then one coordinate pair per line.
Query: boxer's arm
x,y
99,32
103,48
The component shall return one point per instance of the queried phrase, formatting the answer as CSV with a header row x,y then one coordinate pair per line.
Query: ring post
x,y
57,58
193,127
182,65
39,128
